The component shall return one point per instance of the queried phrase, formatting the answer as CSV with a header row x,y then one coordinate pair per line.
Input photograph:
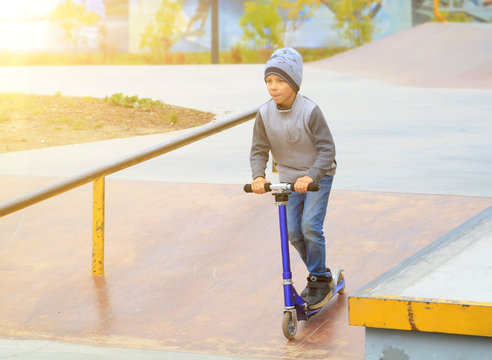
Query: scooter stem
x,y
284,239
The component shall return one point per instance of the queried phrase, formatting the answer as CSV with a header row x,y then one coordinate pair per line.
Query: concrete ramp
x,y
445,55
437,302
196,267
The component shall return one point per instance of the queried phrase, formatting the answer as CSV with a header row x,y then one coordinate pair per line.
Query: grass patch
x,y
34,121
133,101
171,119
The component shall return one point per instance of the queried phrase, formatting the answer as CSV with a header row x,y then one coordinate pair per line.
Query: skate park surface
x,y
192,265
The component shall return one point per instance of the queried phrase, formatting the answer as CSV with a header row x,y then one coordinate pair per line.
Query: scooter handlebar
x,y
247,188
314,186
282,186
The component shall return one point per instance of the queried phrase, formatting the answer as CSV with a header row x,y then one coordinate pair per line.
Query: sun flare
x,y
24,24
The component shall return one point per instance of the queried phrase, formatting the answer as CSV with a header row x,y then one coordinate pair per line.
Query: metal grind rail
x,y
97,176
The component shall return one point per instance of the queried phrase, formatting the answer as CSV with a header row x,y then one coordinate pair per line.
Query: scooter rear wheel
x,y
340,279
289,325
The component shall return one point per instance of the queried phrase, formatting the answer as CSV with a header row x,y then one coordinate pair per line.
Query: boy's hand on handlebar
x,y
301,185
258,185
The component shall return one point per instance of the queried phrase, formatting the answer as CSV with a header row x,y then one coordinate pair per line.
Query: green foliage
x,y
261,24
71,17
354,20
163,31
236,55
265,23
241,54
317,54
296,12
171,119
454,17
133,101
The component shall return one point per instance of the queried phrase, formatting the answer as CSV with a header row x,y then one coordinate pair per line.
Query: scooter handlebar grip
x,y
247,188
313,186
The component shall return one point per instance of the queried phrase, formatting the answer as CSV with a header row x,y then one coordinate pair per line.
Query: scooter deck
x,y
302,309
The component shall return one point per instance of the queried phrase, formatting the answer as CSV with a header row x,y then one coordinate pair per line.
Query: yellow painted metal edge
x,y
421,314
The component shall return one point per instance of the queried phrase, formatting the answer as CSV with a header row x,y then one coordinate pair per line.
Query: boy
x,y
294,129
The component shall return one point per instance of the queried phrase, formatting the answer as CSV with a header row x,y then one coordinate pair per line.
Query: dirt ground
x,y
37,121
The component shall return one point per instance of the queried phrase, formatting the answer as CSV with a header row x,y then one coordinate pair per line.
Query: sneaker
x,y
305,292
319,291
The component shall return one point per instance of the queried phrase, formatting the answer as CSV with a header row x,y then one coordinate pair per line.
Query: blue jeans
x,y
305,217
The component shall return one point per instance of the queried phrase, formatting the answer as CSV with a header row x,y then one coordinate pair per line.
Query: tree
x,y
163,31
71,17
295,13
266,23
355,19
261,24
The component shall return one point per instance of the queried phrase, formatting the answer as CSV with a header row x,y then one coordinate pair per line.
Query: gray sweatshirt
x,y
299,139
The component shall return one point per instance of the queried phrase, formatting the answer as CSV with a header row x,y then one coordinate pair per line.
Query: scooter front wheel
x,y
289,325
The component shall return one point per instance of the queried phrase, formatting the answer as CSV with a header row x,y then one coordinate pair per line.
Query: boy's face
x,y
280,91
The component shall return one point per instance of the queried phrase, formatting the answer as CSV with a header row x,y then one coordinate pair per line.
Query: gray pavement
x,y
50,350
389,137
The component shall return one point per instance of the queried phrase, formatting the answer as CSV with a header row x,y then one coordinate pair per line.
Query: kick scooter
x,y
295,306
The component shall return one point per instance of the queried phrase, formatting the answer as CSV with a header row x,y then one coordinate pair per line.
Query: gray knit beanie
x,y
286,63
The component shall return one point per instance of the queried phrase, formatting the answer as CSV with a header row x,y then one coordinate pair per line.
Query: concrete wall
x,y
384,344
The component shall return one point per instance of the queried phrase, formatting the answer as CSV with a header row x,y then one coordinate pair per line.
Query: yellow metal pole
x,y
437,13
98,191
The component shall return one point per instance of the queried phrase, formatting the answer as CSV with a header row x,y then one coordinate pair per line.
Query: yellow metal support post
x,y
98,191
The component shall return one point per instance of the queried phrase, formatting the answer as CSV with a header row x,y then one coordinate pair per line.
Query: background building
x,y
28,26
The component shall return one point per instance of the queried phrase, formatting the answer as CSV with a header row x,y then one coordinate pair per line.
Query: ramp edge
x,y
421,314
370,309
